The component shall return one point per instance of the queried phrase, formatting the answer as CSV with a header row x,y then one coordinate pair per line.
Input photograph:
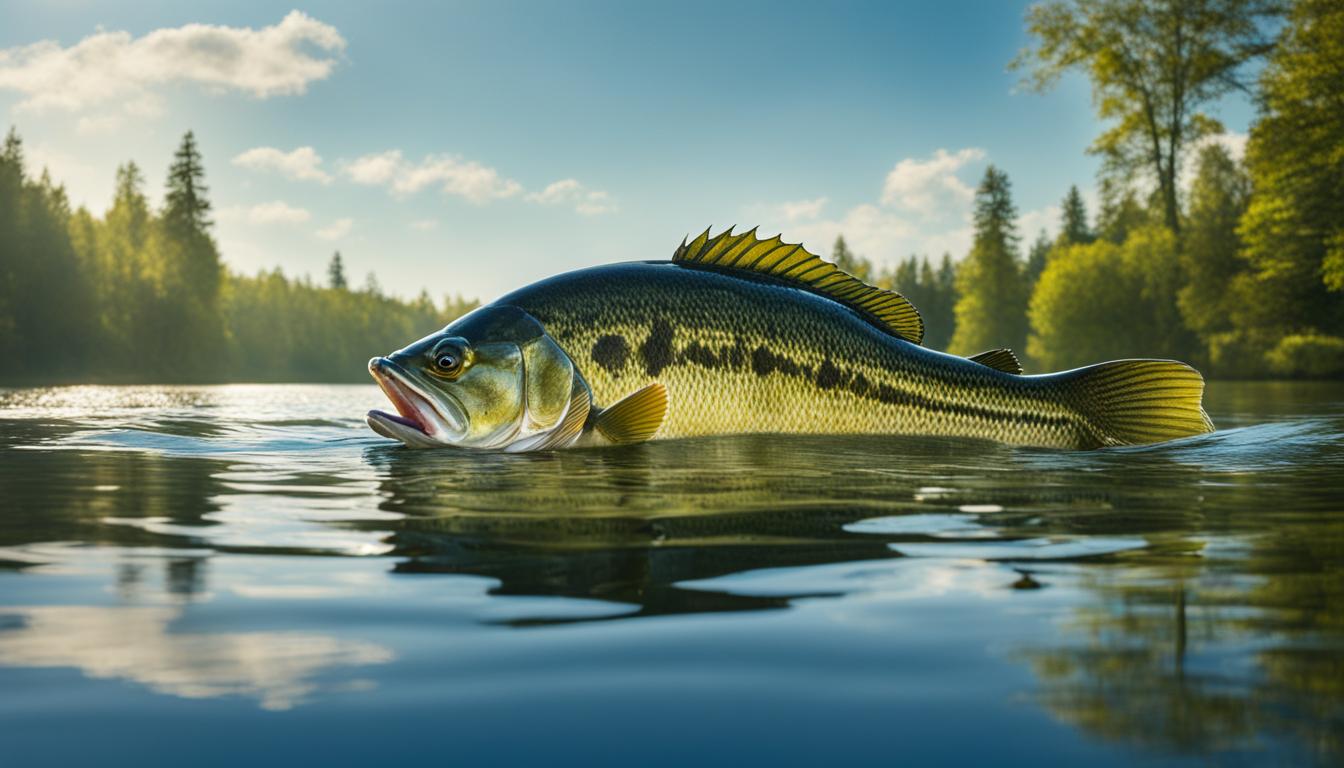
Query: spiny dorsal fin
x,y
888,310
1000,360
636,417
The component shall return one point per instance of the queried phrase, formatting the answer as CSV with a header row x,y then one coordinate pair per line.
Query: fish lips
x,y
422,420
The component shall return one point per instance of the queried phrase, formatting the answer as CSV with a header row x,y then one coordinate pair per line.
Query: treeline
x,y
141,294
1240,272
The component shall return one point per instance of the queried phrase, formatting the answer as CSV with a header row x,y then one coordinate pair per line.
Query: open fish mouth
x,y
420,420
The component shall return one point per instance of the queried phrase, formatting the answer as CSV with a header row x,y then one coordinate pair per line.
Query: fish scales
x,y
747,354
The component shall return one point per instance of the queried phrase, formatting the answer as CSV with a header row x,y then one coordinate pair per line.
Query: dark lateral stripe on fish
x,y
827,376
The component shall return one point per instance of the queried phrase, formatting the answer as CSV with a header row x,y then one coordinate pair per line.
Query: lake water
x,y
247,575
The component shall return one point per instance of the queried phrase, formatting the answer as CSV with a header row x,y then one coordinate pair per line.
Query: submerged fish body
x,y
721,344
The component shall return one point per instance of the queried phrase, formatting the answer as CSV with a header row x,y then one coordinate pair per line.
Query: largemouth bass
x,y
734,335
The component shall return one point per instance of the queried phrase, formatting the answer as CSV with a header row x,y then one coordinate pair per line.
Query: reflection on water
x,y
136,643
257,543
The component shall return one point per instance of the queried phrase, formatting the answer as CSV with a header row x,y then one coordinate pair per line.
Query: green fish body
x,y
739,335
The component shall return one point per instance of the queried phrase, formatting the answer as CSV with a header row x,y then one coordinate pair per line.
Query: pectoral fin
x,y
635,418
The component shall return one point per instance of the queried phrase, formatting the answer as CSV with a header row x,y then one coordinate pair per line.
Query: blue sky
x,y
469,147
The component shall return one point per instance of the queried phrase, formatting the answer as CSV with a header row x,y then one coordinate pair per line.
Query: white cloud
x,y
1032,223
1233,142
424,225
275,212
588,202
375,169
338,229
924,209
97,125
928,186
556,192
452,174
303,164
114,68
799,210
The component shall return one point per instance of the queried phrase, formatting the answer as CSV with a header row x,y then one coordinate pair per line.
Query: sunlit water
x,y
245,574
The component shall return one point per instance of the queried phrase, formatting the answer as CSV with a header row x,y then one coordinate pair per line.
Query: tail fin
x,y
1132,402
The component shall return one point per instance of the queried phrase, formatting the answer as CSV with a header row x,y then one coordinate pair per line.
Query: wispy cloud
x,y
802,210
97,125
473,181
303,164
924,208
587,202
927,186
424,225
114,68
452,174
274,212
336,230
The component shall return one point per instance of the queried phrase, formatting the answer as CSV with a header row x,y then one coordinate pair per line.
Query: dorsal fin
x,y
888,310
1000,360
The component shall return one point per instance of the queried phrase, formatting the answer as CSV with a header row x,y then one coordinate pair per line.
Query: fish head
x,y
493,379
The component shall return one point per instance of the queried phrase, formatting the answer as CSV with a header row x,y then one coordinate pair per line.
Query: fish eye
x,y
449,360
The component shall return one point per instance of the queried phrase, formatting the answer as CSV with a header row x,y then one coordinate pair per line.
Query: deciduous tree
x,y
1154,66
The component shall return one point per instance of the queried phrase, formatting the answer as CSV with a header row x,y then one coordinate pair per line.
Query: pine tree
x,y
336,273
1121,212
11,191
1073,228
992,308
40,280
186,208
942,320
847,260
190,328
128,289
1037,258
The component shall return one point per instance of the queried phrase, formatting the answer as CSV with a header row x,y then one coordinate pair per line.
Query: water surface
x,y
246,574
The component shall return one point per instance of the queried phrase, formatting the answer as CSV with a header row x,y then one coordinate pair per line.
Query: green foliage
x,y
991,308
1210,252
291,330
1037,258
933,292
1104,301
140,296
1153,65
187,327
1294,226
1121,212
1073,227
1308,355
40,276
